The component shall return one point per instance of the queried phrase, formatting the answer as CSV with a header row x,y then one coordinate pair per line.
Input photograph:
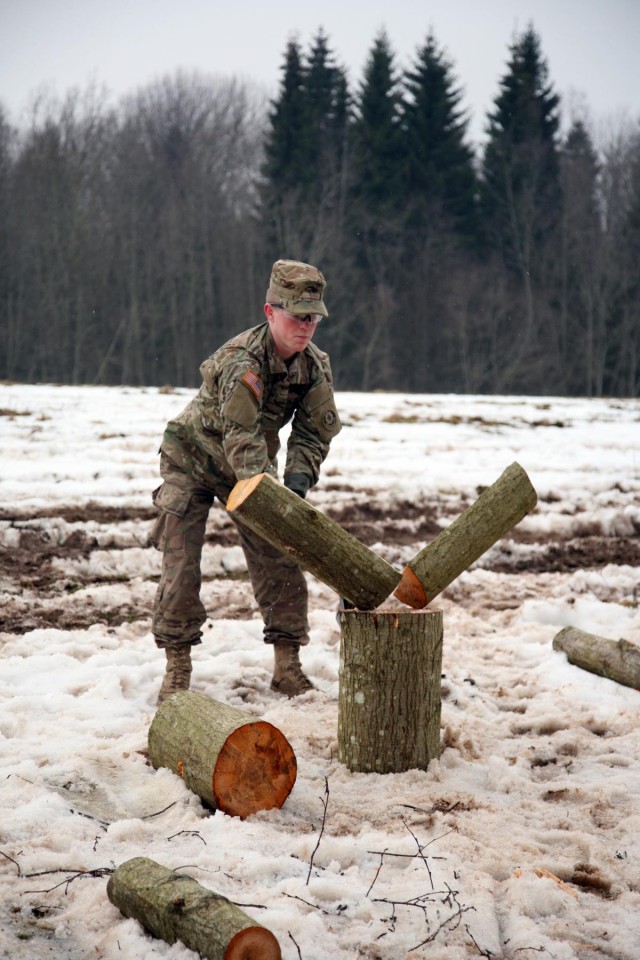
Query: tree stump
x,y
498,508
173,906
228,758
318,544
617,660
389,690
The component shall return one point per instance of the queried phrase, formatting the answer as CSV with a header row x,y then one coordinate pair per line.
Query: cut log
x,y
317,543
498,508
617,660
228,758
389,690
173,906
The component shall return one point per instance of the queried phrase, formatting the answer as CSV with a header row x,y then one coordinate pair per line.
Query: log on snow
x,y
173,906
498,508
617,660
228,758
318,544
389,690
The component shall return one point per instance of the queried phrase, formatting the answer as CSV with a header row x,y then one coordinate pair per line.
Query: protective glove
x,y
298,482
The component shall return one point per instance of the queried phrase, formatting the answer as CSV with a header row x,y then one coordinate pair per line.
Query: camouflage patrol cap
x,y
298,287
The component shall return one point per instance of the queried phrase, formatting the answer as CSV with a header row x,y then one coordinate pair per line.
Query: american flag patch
x,y
253,381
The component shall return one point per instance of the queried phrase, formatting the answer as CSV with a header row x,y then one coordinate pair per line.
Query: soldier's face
x,y
291,334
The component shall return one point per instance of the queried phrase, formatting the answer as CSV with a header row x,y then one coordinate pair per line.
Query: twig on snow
x,y
76,874
150,816
420,853
483,953
377,874
325,804
454,920
7,857
291,937
188,833
314,906
534,949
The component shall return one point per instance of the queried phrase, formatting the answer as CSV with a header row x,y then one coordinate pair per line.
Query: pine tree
x,y
622,374
439,219
7,291
376,192
306,141
582,321
522,212
328,109
377,155
520,171
288,144
440,178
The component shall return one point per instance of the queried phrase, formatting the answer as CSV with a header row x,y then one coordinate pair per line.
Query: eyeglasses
x,y
313,318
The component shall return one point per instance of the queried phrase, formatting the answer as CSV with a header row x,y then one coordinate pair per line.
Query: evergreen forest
x,y
136,238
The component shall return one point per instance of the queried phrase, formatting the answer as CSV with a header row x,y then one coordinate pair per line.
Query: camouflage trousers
x,y
278,583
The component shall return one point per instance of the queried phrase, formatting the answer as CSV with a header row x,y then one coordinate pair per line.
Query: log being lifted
x,y
617,660
498,508
173,906
228,758
317,543
389,693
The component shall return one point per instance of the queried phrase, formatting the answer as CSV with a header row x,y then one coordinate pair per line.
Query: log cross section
x,y
231,760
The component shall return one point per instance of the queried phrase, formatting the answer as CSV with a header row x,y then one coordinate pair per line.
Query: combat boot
x,y
288,676
178,673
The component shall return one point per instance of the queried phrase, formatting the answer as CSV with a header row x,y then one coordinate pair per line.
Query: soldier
x,y
252,385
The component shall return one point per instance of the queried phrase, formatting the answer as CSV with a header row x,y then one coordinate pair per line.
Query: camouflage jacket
x,y
229,431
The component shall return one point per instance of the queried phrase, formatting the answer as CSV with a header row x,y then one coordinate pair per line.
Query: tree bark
x,y
173,906
230,760
617,660
498,508
389,690
319,544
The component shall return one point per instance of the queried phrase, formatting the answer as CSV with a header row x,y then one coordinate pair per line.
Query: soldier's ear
x,y
268,311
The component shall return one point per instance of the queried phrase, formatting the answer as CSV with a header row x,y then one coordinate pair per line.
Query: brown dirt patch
x,y
36,594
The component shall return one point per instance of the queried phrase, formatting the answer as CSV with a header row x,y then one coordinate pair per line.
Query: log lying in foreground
x,y
318,544
498,508
173,906
231,760
389,690
617,660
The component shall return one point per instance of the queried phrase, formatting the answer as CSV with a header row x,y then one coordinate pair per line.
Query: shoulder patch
x,y
254,383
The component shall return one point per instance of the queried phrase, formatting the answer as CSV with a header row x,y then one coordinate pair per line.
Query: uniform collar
x,y
295,369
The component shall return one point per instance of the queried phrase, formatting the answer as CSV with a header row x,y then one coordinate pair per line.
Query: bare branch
x,y
382,853
150,816
533,949
314,906
481,951
99,872
420,853
291,937
7,857
325,803
188,833
451,922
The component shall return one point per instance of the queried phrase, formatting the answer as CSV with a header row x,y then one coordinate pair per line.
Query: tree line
x,y
135,239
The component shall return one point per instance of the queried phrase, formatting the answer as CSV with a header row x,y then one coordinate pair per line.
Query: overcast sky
x,y
591,45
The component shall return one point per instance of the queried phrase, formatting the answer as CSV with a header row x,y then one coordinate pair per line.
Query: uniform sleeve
x,y
244,444
316,422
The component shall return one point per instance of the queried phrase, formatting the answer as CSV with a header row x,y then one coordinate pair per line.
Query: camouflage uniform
x,y
229,432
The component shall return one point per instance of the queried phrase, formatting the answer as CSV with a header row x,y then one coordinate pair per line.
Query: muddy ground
x,y
57,564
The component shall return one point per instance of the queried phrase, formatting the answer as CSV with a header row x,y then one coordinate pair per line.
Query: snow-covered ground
x,y
522,840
